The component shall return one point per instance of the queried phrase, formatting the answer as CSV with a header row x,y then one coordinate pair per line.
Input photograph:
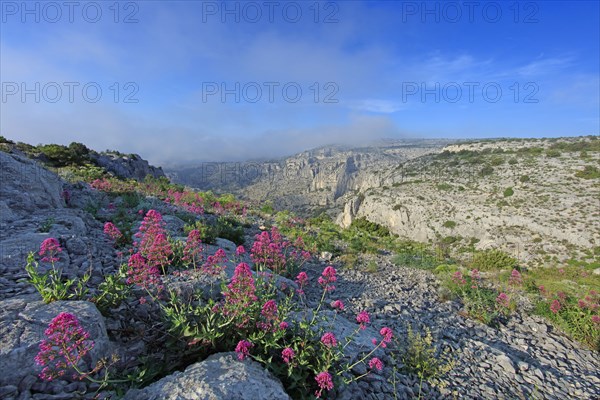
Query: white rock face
x,y
551,213
221,376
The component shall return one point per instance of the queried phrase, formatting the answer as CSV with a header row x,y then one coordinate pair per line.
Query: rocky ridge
x,y
438,191
314,179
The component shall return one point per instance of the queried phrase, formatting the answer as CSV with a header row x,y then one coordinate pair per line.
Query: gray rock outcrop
x,y
127,166
26,187
220,376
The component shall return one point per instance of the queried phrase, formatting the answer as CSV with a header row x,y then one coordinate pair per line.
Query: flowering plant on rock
x,y
51,285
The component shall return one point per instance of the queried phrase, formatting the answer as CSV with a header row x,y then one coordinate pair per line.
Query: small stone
x,y
505,363
523,366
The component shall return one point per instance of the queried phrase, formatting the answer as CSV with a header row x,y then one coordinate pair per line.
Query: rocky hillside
x,y
124,166
537,199
312,180
147,283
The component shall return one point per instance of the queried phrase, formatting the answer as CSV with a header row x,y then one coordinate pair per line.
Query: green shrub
x,y
502,203
589,172
445,268
47,225
371,267
62,156
449,224
423,359
508,192
208,233
486,170
552,153
112,291
267,208
230,229
492,260
367,226
495,161
524,178
443,186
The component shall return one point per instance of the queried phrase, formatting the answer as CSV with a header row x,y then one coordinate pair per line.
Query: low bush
x,y
492,260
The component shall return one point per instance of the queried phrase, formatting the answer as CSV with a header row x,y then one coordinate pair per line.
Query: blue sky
x,y
210,81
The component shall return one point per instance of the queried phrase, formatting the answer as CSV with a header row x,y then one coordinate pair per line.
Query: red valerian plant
x,y
243,349
240,296
272,251
325,383
215,264
363,319
49,250
66,344
503,300
112,231
50,285
192,252
141,273
153,243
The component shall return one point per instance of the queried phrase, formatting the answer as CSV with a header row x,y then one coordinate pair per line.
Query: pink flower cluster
x,y
324,381
218,208
329,340
141,273
112,231
49,250
590,302
66,344
458,278
387,336
270,318
240,251
515,278
287,355
240,295
267,250
302,281
363,319
327,278
153,243
215,264
475,278
555,306
338,305
375,363
243,349
189,201
274,252
503,300
192,252
102,184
